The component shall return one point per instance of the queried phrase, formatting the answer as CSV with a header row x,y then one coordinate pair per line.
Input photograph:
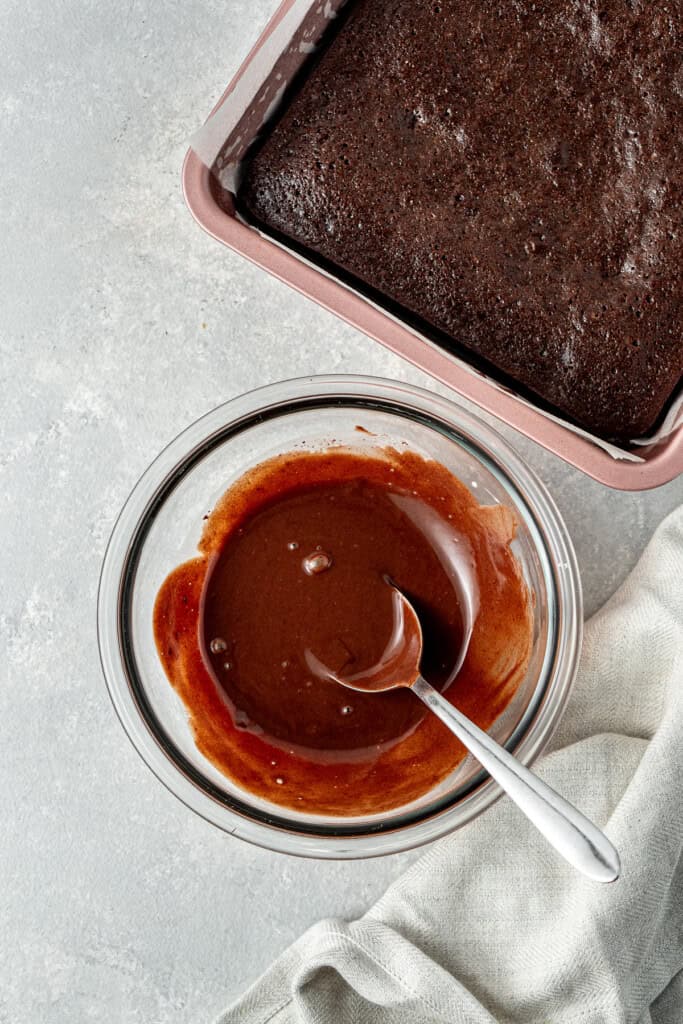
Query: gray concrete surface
x,y
121,322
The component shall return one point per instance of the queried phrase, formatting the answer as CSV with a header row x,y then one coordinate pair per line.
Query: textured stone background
x,y
120,323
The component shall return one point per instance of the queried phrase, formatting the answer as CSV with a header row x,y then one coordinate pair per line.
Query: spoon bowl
x,y
399,665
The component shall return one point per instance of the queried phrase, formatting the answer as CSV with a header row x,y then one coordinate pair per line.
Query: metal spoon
x,y
575,837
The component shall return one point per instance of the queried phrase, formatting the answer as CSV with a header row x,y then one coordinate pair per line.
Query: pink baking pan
x,y
260,79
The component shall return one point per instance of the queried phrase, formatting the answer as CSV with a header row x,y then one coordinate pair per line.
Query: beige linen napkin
x,y
490,925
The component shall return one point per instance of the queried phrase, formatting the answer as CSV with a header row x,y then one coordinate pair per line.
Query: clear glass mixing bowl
x,y
160,526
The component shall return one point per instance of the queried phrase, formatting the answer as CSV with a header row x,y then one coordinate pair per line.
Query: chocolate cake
x,y
510,176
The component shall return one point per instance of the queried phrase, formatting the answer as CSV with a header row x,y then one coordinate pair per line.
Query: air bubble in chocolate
x,y
316,563
218,645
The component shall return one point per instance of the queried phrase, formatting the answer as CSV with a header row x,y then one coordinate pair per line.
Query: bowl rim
x,y
537,724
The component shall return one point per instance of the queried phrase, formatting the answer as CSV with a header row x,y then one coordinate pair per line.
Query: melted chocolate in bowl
x,y
308,575
295,570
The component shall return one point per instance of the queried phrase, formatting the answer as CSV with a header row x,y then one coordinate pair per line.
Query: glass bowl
x,y
161,524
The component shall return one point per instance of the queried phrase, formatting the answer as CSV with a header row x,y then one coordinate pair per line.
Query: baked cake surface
x,y
511,175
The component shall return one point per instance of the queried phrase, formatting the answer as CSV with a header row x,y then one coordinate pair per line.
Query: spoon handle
x,y
575,837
